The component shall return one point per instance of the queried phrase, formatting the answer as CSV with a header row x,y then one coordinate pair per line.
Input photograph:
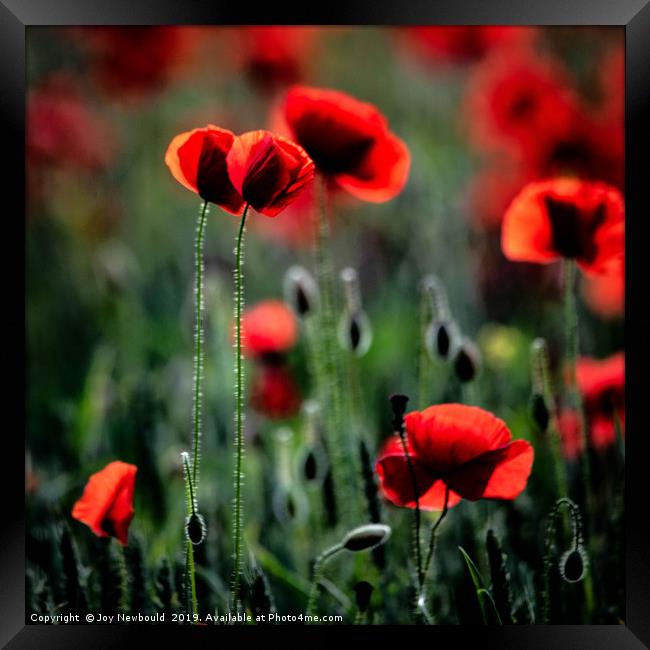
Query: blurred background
x,y
109,236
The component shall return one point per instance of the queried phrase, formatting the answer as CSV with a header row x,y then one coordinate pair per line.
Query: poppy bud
x,y
573,565
441,339
365,537
363,591
466,361
289,505
539,412
300,290
195,528
355,333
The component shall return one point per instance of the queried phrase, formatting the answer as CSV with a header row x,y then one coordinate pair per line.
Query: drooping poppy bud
x,y
366,537
195,528
442,334
355,332
573,565
467,361
441,339
300,291
539,412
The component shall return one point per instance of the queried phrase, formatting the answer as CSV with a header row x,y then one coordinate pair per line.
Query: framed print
x,y
327,322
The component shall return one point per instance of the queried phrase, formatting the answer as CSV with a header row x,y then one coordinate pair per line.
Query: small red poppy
x,y
463,448
466,43
197,160
349,141
602,384
268,328
566,217
274,392
106,505
268,170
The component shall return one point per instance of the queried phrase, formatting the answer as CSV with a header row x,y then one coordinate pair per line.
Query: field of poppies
x,y
325,325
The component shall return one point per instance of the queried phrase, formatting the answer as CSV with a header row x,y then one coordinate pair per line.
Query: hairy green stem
x,y
198,339
320,562
572,351
239,413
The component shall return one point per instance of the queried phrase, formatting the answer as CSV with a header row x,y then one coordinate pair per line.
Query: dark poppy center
x,y
572,230
335,148
522,107
108,527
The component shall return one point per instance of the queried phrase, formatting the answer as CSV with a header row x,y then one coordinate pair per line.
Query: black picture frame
x,y
633,15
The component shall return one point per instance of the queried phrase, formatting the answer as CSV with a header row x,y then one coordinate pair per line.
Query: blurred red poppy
x,y
106,505
274,393
62,131
517,101
605,294
268,170
462,448
602,384
569,429
131,61
274,56
197,160
466,43
268,328
349,141
566,217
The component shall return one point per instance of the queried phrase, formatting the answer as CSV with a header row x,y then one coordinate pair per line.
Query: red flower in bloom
x,y
516,102
605,294
602,384
463,448
197,160
268,170
258,168
268,328
349,141
106,505
130,61
62,131
568,218
274,392
569,429
466,43
275,56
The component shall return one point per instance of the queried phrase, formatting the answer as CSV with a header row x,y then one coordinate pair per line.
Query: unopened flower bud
x,y
195,528
573,565
355,333
441,339
466,361
300,290
366,537
539,412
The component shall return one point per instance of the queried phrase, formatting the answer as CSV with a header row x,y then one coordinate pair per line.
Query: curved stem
x,y
239,412
320,562
198,339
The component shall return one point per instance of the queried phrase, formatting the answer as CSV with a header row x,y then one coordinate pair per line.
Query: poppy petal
x,y
106,505
498,474
446,436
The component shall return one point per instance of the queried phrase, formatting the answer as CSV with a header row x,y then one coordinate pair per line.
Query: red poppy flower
x,y
566,217
274,56
463,448
106,505
268,170
62,131
605,294
274,392
268,328
197,160
569,429
517,101
129,62
466,43
602,384
349,141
